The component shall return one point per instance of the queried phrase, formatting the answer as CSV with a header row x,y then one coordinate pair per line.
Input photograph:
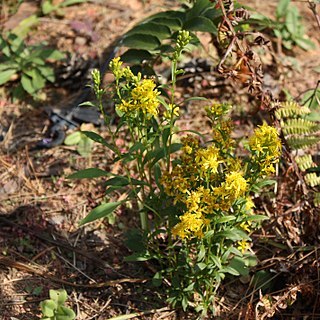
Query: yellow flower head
x,y
235,184
208,159
190,225
142,98
266,142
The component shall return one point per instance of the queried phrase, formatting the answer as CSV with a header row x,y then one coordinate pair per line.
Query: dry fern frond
x,y
291,109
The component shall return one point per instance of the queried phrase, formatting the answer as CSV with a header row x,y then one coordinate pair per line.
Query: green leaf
x,y
138,41
157,279
233,234
257,218
292,21
198,8
48,7
101,211
139,256
89,173
305,44
225,219
51,54
136,56
230,270
202,252
73,138
151,28
6,75
282,8
238,264
25,25
173,23
85,146
97,138
38,81
27,84
202,24
47,72
65,313
124,181
58,296
67,3
48,308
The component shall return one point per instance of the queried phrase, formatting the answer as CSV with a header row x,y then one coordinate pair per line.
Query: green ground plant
x,y
54,308
287,26
193,193
48,7
26,64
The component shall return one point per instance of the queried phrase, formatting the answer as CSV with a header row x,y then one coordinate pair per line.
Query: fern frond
x,y
291,109
312,179
304,162
316,199
299,126
302,142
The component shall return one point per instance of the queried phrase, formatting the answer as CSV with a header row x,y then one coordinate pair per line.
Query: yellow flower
x,y
142,98
266,142
235,184
190,225
243,246
208,159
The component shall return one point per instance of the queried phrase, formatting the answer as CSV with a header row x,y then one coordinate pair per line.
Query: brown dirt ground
x,y
42,246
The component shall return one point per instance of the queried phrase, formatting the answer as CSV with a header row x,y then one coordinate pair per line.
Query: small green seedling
x,y
54,309
29,64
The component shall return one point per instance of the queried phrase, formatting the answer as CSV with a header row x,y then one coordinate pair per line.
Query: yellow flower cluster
x,y
142,98
199,183
265,145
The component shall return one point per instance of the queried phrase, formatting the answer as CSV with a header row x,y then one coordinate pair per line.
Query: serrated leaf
x,y
89,173
6,75
101,211
202,24
138,41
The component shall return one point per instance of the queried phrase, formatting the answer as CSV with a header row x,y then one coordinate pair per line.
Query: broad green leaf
x,y
85,146
47,72
51,54
230,270
58,296
48,308
138,41
136,56
65,313
238,264
25,25
97,138
305,44
6,75
38,81
282,8
292,20
48,7
151,28
198,8
216,261
201,265
124,181
173,23
101,211
233,234
89,173
73,139
200,24
27,84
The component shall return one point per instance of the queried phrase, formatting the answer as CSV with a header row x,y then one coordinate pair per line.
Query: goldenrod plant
x,y
192,193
